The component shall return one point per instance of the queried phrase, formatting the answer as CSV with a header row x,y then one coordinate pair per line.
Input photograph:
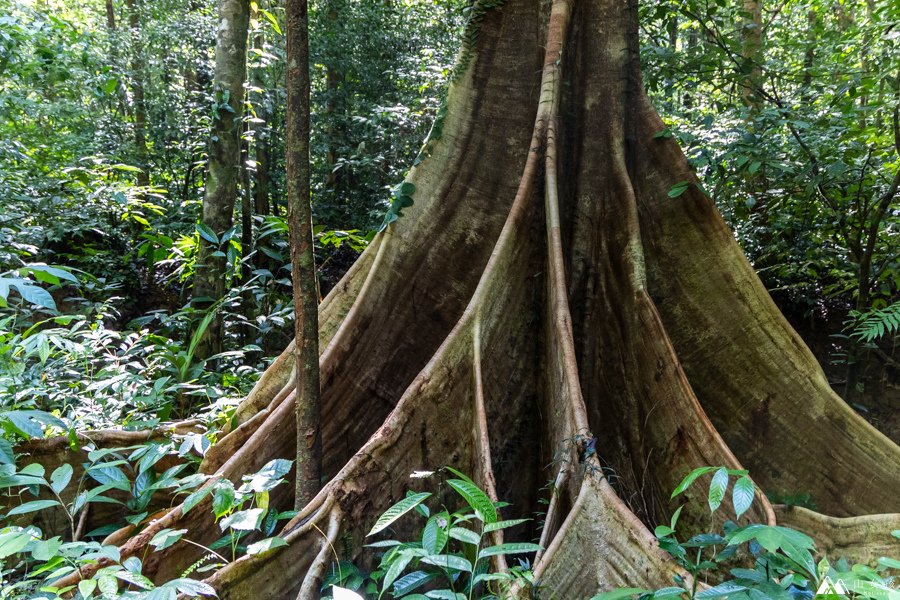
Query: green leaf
x,y
477,499
621,593
270,475
192,587
86,587
108,585
717,487
411,581
678,189
243,520
33,506
195,498
890,563
434,535
7,454
266,545
742,495
397,511
61,477
407,189
12,542
720,591
223,497
166,537
396,567
691,478
511,548
669,592
207,234
504,524
448,561
465,535
34,294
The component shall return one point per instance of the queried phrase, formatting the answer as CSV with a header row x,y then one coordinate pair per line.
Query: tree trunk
x,y
543,298
751,53
224,161
308,463
139,106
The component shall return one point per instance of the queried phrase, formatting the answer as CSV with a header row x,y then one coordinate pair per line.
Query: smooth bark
x,y
308,463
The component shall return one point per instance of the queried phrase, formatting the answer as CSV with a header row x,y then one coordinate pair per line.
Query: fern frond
x,y
875,323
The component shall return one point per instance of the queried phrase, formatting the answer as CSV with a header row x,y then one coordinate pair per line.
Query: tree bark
x,y
139,106
546,312
224,161
308,463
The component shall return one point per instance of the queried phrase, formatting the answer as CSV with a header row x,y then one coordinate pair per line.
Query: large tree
x,y
224,162
561,293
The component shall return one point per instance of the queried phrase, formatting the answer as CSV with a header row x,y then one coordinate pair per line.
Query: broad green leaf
x,y
742,495
12,542
166,537
398,564
61,477
135,578
7,454
411,581
86,587
691,478
510,548
266,545
720,591
192,587
270,475
477,499
465,535
397,511
223,497
434,535
108,585
890,563
207,234
243,520
448,561
33,506
669,592
717,487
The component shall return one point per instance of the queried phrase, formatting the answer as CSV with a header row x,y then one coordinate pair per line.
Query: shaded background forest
x,y
788,110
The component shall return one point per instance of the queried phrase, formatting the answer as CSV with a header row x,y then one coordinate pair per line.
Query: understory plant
x,y
31,563
757,561
450,560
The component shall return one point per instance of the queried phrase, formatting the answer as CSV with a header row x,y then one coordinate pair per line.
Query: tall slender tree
x,y
224,163
303,267
138,79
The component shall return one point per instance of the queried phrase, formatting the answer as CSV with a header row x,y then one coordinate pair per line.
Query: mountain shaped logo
x,y
831,589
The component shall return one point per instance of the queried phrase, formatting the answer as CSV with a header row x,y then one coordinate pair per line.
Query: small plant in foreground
x,y
783,564
452,558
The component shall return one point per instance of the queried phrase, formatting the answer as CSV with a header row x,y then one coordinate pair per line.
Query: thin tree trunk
x,y
751,52
224,161
303,267
139,107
